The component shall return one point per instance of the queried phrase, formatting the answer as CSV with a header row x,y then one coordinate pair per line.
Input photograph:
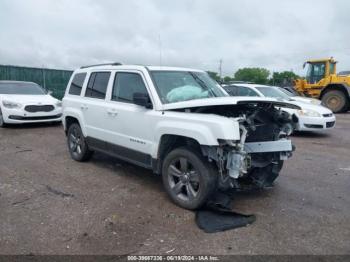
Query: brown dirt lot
x,y
50,204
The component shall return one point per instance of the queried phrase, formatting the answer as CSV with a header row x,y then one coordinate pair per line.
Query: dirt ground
x,y
50,204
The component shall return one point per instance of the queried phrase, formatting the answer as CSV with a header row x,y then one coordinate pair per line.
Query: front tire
x,y
336,100
188,178
78,148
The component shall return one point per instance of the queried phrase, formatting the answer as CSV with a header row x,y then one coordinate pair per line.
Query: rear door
x,y
93,105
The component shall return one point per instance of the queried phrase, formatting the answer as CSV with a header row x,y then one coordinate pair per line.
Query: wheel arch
x,y
169,142
341,87
69,120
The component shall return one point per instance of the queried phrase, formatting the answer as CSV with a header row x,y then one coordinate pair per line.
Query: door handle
x,y
84,107
112,112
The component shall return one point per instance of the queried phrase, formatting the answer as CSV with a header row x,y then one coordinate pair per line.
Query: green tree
x,y
214,75
253,74
227,79
284,78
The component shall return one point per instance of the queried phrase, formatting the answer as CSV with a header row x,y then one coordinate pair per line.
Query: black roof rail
x,y
113,64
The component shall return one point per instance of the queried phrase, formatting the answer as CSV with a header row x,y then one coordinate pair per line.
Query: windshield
x,y
287,92
177,86
18,88
270,91
315,72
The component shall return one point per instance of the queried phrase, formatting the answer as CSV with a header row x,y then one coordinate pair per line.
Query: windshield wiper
x,y
202,83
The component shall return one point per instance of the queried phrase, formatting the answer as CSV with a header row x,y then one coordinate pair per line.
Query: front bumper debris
x,y
268,146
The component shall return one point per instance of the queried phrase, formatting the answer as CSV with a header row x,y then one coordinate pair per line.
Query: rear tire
x,y
188,178
78,148
336,100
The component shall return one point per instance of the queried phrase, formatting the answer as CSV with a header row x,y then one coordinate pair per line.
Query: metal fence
x,y
51,79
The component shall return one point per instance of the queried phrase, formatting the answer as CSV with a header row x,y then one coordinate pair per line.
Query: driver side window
x,y
125,85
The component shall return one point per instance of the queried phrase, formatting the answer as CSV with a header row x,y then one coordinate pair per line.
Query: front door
x,y
129,126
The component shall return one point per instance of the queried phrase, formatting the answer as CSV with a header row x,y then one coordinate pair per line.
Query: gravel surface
x,y
50,204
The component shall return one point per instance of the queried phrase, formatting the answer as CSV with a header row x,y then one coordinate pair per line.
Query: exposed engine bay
x,y
256,159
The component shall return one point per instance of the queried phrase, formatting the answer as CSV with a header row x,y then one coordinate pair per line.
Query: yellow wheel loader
x,y
324,83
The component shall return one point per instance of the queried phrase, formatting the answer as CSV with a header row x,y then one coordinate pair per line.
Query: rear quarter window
x,y
77,84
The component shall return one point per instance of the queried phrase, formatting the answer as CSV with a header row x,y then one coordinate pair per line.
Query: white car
x,y
179,123
304,99
311,117
27,102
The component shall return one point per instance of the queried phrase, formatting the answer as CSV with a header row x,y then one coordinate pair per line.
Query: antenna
x,y
160,50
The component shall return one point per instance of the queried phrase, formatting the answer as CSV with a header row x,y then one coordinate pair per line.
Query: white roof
x,y
251,85
136,67
169,68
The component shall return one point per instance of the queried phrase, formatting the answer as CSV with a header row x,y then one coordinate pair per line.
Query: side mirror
x,y
50,92
142,99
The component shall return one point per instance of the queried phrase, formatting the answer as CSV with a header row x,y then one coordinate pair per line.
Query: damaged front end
x,y
256,159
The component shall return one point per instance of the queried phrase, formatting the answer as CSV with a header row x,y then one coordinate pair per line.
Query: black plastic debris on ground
x,y
217,216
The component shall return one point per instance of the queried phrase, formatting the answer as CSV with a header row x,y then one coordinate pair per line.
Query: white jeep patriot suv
x,y
179,123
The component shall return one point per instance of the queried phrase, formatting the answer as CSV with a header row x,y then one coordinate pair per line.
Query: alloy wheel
x,y
75,141
183,179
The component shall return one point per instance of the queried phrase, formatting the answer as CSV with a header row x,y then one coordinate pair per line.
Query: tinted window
x,y
77,84
125,85
97,85
319,69
315,72
240,91
270,91
245,91
231,90
21,88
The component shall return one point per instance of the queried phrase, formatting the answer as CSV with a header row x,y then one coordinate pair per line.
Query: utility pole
x,y
220,69
160,51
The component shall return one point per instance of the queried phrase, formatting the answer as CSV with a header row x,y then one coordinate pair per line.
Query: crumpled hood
x,y
30,99
229,100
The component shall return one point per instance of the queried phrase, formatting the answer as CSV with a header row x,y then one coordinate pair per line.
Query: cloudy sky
x,y
275,34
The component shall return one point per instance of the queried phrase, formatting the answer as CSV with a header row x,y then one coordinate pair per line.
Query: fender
x,y
205,129
74,112
336,85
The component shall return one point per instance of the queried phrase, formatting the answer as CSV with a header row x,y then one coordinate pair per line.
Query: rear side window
x,y
245,91
77,84
231,90
125,85
97,85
